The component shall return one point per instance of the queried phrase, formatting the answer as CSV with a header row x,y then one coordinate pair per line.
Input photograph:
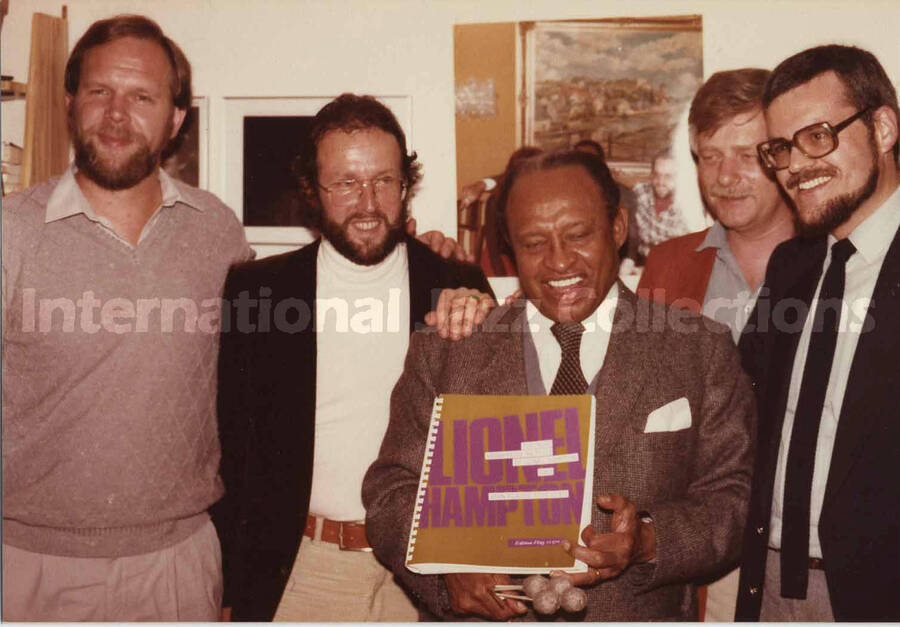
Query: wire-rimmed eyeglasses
x,y
386,187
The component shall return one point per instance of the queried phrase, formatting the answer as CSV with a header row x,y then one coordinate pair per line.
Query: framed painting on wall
x,y
188,161
621,82
264,140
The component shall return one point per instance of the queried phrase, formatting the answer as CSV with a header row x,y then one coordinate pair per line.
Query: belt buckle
x,y
343,547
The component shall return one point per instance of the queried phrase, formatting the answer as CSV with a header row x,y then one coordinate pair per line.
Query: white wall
x,y
404,47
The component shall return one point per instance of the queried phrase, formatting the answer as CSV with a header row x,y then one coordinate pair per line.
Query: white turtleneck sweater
x,y
362,326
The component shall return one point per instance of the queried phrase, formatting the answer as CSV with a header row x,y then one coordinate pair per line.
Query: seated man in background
x,y
657,217
317,341
560,213
719,271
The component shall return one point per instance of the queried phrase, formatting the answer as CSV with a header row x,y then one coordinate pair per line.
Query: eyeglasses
x,y
386,188
815,141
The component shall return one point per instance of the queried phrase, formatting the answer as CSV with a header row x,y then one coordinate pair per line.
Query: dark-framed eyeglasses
x,y
386,187
815,141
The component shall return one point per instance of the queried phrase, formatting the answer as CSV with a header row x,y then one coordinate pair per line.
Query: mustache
x,y
116,131
807,175
718,191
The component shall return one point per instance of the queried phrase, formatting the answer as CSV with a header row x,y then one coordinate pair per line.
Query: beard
x,y
663,193
836,211
142,161
364,255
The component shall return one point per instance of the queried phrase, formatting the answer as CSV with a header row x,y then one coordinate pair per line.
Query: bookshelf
x,y
45,149
12,90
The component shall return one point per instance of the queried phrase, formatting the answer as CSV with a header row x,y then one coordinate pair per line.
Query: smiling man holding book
x,y
674,412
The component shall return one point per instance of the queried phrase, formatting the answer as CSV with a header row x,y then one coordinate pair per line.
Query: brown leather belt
x,y
816,563
349,536
813,563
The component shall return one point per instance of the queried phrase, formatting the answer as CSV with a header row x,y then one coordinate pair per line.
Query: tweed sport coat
x,y
695,482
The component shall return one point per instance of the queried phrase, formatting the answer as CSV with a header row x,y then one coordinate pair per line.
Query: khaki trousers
x,y
179,583
721,598
331,585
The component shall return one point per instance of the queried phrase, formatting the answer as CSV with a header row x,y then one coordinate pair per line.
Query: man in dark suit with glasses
x,y
822,539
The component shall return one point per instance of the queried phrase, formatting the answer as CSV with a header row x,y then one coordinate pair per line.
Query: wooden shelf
x,y
12,90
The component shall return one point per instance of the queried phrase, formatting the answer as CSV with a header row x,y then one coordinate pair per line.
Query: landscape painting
x,y
620,82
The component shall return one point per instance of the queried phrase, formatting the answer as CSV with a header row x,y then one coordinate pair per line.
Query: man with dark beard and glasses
x,y
306,374
112,275
822,538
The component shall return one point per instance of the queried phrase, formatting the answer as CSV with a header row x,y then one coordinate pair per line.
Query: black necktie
x,y
569,378
802,451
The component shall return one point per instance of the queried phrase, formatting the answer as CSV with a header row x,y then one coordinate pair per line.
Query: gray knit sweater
x,y
109,373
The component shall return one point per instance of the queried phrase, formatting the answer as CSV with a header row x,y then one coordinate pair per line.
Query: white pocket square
x,y
672,416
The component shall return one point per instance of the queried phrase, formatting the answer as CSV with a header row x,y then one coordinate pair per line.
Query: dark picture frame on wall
x,y
188,162
271,195
264,139
623,82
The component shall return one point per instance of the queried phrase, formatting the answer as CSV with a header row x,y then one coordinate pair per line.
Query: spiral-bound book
x,y
505,479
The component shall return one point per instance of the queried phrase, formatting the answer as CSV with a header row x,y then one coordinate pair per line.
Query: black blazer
x,y
267,408
860,523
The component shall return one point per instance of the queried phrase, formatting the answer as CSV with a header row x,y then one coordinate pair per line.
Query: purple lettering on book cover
x,y
492,454
525,542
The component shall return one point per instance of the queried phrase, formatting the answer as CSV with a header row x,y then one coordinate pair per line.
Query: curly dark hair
x,y
866,84
348,113
593,164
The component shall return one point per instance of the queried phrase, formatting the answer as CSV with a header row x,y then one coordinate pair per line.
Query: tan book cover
x,y
504,480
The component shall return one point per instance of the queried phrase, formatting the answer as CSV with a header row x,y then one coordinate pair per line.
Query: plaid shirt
x,y
653,228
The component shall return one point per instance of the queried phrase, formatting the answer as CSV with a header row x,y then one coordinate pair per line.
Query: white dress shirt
x,y
872,239
594,342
